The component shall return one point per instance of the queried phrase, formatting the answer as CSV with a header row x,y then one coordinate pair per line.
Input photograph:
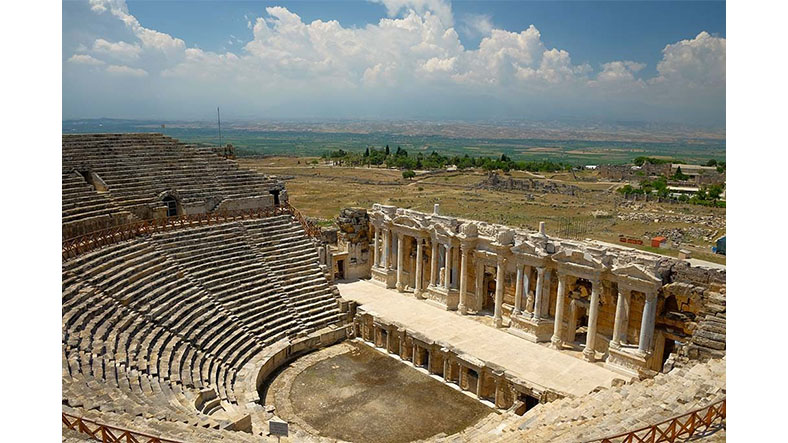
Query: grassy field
x,y
250,142
321,190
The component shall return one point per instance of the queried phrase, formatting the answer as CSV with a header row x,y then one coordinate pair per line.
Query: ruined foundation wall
x,y
695,308
353,237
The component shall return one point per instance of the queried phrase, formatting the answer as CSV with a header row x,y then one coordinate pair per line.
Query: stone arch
x,y
172,203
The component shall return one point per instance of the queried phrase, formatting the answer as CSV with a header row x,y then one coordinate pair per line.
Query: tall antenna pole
x,y
219,119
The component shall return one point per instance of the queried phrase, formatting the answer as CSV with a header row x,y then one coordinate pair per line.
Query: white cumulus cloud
x,y
440,8
409,58
126,71
121,50
84,59
696,62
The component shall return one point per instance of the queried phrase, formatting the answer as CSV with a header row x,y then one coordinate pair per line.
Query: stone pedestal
x,y
447,299
628,361
533,330
384,277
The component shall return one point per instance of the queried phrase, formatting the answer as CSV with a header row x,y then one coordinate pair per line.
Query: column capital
x,y
540,270
501,259
467,246
624,289
563,275
651,296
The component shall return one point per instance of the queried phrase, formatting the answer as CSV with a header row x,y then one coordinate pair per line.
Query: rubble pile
x,y
683,235
497,183
710,221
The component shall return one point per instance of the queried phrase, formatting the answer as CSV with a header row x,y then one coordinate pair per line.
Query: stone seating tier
x,y
139,168
611,411
148,323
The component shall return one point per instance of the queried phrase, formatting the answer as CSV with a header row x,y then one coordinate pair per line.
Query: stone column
x,y
463,308
393,258
622,317
400,261
455,260
528,307
499,283
447,268
537,314
557,340
434,263
375,249
647,324
479,283
419,268
546,294
386,236
593,314
518,290
479,383
571,327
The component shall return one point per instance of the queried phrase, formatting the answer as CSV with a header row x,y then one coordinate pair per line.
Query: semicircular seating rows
x,y
168,326
135,169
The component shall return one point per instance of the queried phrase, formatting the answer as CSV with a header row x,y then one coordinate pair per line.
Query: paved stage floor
x,y
529,361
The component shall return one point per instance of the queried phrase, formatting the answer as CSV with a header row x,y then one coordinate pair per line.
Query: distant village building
x,y
696,174
633,172
700,175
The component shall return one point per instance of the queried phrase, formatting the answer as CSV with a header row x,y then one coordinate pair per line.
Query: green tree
x,y
408,174
715,191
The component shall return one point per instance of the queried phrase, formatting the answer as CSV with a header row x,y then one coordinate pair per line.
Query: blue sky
x,y
593,31
661,61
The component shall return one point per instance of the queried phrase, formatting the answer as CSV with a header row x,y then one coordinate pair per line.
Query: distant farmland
x,y
309,143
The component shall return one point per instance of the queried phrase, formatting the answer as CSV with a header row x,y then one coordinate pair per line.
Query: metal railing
x,y
90,241
680,427
110,434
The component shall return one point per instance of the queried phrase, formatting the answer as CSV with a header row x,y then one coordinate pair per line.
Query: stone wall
x,y
353,238
695,309
245,203
498,183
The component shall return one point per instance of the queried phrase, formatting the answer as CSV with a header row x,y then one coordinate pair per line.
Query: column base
x,y
400,287
418,293
463,309
589,355
556,343
498,322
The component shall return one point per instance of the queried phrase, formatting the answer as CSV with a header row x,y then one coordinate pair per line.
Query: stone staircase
x,y
609,412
